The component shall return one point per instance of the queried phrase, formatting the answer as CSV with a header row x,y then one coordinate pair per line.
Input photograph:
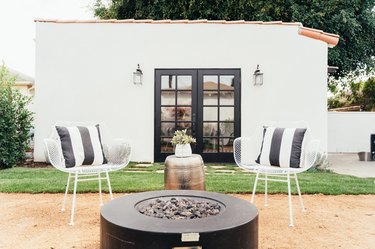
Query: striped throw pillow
x,y
81,145
281,147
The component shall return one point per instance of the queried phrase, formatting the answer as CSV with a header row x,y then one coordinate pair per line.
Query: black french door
x,y
205,102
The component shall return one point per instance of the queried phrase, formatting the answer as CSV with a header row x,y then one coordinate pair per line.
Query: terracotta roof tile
x,y
235,22
273,22
180,21
253,22
89,21
217,21
331,39
143,21
162,21
198,21
125,21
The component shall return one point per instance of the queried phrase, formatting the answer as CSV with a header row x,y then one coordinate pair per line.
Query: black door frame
x,y
197,109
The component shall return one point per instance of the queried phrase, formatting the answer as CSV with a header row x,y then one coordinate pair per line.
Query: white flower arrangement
x,y
180,137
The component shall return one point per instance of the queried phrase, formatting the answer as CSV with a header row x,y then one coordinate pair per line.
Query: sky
x,y
17,27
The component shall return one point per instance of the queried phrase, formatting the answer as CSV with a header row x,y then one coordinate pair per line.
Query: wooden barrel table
x,y
184,173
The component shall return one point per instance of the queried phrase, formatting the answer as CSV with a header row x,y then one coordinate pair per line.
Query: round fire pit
x,y
205,220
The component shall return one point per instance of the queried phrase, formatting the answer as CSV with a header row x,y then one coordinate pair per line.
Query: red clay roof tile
x,y
331,39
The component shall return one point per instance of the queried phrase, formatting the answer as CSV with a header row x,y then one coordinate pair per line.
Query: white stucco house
x,y
197,75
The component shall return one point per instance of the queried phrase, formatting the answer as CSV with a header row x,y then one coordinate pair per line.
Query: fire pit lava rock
x,y
178,219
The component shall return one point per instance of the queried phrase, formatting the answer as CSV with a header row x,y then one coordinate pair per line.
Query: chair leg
x,y
66,193
290,202
109,185
299,193
100,188
265,190
74,200
254,188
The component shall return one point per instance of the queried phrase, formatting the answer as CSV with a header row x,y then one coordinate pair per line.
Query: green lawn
x,y
50,180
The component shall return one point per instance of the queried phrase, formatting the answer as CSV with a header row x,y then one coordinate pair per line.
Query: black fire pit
x,y
233,223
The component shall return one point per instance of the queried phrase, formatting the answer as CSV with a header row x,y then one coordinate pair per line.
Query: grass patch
x,y
50,180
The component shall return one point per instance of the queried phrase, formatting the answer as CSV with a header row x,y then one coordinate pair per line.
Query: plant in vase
x,y
182,142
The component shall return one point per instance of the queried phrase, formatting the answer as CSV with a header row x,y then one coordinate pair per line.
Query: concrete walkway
x,y
349,164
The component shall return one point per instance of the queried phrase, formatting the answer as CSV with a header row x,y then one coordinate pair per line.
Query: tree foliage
x,y
353,20
15,121
355,94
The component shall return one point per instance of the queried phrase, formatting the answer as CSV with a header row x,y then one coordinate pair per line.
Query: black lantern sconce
x,y
138,76
258,77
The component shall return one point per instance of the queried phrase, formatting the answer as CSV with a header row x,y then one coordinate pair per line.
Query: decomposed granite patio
x,y
341,221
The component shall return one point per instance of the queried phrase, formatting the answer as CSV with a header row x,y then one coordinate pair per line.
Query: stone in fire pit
x,y
235,226
179,208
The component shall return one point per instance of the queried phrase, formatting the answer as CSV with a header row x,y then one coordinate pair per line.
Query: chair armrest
x,y
245,152
53,153
311,153
118,152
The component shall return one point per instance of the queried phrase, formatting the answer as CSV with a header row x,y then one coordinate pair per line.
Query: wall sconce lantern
x,y
258,77
138,76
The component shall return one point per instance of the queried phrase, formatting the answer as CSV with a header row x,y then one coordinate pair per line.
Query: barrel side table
x,y
184,173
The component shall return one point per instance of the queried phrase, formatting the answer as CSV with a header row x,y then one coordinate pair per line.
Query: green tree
x,y
353,20
15,121
369,94
355,94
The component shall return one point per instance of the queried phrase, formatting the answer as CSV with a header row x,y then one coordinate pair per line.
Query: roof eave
x,y
331,39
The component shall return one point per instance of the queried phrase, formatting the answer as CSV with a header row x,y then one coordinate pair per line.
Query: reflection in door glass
x,y
226,129
209,113
168,82
184,82
226,82
168,113
183,113
226,113
226,98
209,129
184,98
210,82
183,126
210,145
166,145
167,129
210,97
226,145
168,98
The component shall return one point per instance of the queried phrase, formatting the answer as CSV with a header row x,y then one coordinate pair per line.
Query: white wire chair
x,y
247,149
116,151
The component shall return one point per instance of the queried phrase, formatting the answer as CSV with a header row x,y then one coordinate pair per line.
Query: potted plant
x,y
182,142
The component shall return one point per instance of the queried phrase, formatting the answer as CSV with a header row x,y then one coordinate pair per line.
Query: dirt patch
x,y
32,164
344,221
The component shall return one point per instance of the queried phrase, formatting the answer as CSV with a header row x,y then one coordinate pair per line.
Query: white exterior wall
x,y
350,131
84,72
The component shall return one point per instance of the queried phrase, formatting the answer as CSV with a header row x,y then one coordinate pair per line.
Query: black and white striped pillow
x,y
281,147
81,145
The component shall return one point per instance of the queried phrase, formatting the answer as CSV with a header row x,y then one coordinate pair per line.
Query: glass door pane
x,y
175,93
220,112
205,102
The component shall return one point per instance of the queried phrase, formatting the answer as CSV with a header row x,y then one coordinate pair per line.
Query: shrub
x,y
369,93
15,121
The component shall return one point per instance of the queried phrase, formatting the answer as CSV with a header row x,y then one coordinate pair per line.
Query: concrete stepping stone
x,y
138,171
218,167
225,171
143,165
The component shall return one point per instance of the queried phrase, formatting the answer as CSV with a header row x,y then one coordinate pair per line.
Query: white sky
x,y
17,27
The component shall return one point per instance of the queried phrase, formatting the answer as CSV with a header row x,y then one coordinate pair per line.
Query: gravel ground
x,y
344,221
